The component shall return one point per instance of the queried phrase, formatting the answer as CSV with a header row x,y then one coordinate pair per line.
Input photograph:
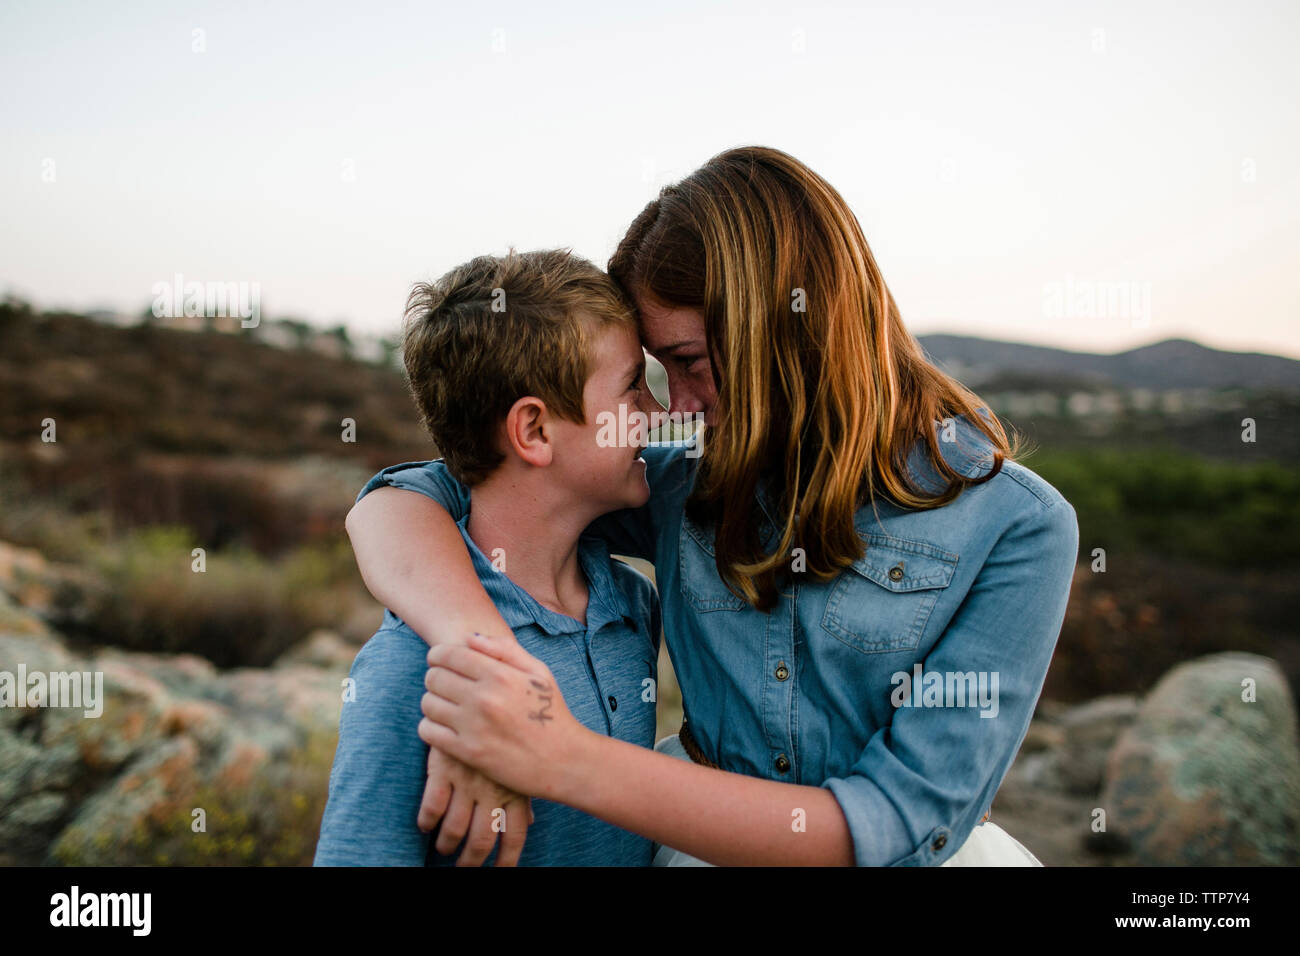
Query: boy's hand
x,y
465,801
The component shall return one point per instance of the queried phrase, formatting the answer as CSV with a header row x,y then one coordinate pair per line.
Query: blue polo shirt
x,y
606,672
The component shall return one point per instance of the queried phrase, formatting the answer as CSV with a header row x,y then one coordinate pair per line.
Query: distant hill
x,y
1172,364
119,394
150,389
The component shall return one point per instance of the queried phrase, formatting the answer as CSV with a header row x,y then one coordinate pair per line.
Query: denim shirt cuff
x,y
879,835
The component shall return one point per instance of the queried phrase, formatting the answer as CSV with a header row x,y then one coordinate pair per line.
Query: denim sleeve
x,y
634,531
429,478
377,780
919,788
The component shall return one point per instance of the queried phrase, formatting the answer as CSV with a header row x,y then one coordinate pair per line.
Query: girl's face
x,y
676,338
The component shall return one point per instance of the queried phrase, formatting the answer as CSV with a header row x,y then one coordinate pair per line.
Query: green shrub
x,y
1178,505
241,610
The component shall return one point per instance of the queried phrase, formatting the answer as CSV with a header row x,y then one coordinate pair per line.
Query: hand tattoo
x,y
540,715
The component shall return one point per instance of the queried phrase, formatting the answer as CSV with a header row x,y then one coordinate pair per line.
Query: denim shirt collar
x,y
969,455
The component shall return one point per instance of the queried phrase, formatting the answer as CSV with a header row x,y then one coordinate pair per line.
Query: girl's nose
x,y
686,405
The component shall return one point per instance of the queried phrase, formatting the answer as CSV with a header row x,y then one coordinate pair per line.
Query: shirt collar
x,y
968,452
970,455
606,601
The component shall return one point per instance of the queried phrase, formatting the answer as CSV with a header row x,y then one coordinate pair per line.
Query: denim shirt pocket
x,y
883,601
701,585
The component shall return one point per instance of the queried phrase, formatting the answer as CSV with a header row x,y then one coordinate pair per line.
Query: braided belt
x,y
692,747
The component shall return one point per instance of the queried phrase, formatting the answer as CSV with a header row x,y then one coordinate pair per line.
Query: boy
x,y
514,363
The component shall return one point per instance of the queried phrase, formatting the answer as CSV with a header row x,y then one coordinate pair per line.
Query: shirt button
x,y
782,764
613,704
939,843
896,573
782,672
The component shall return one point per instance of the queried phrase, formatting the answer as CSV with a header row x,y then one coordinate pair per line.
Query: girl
x,y
861,589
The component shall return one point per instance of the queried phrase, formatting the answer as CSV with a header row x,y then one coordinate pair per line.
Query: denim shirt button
x,y
782,764
613,703
896,573
782,672
939,843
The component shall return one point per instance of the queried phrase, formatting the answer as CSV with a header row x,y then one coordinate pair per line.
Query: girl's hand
x,y
494,706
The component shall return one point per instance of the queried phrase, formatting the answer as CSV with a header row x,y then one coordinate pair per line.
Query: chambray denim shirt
x,y
606,672
824,690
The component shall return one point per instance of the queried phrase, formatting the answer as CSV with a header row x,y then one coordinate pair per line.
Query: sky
x,y
1093,176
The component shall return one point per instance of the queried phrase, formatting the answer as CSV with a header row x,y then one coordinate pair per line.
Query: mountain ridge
x,y
1175,363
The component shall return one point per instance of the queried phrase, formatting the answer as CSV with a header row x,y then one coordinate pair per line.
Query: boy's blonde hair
x,y
494,330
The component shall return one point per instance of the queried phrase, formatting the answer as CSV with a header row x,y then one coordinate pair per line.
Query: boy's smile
x,y
610,474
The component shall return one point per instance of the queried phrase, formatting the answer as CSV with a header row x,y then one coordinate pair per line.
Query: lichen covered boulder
x,y
1208,774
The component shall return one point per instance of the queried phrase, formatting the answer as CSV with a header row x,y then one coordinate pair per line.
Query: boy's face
x,y
600,460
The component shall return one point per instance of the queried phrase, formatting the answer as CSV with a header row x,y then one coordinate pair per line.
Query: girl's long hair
x,y
819,385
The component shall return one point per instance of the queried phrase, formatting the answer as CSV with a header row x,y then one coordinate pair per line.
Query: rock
x,y
1041,736
24,574
158,785
44,588
15,619
1050,711
1036,767
322,648
1205,778
1031,772
252,747
1089,732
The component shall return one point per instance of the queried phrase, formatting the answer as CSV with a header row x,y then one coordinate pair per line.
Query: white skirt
x,y
988,844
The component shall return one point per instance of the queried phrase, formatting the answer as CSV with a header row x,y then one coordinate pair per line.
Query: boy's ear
x,y
528,431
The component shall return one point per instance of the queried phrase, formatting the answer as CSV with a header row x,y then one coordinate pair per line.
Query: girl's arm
x,y
724,818
511,722
414,561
